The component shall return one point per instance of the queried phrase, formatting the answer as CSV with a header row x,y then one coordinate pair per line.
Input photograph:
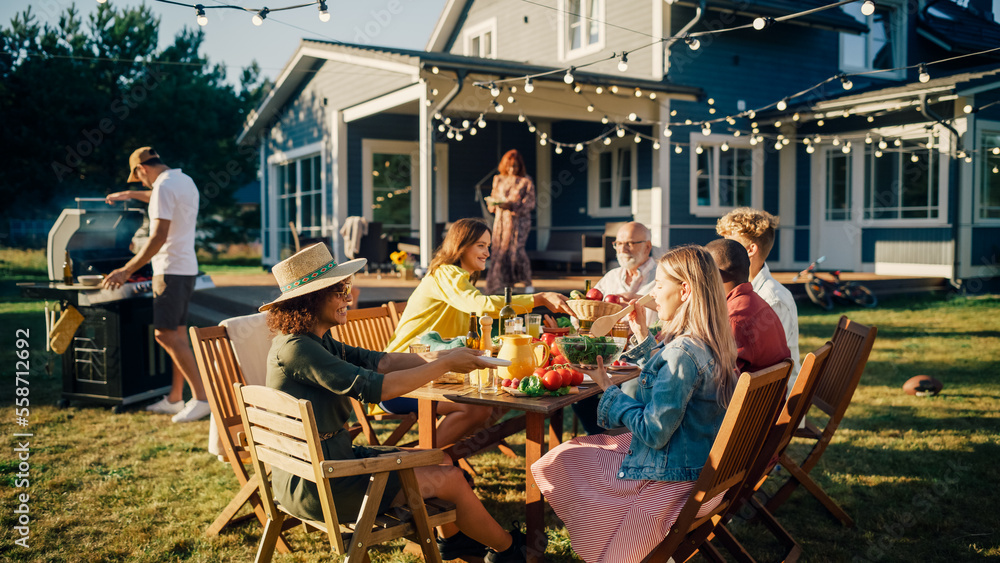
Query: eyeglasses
x,y
630,244
342,294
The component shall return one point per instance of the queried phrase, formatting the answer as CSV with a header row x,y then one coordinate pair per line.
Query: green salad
x,y
585,350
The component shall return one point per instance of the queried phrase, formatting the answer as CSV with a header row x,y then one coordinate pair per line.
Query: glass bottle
x,y
472,339
586,287
67,269
507,312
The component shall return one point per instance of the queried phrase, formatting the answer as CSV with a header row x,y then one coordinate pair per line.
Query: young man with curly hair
x,y
754,229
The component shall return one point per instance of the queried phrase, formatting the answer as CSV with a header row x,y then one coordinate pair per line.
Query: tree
x,y
78,98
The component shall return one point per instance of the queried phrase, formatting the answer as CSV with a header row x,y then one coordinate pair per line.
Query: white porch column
x,y
338,180
425,195
659,197
787,161
543,183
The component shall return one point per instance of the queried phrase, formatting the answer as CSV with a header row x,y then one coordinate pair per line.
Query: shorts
x,y
171,295
399,405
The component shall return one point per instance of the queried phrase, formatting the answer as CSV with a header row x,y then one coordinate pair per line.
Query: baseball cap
x,y
138,157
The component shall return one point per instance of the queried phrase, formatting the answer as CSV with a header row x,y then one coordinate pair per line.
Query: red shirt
x,y
760,337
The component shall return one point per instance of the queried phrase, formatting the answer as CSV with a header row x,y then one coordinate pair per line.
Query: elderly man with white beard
x,y
637,271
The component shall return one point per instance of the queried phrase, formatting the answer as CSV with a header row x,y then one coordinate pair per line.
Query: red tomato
x,y
515,383
595,294
505,383
559,359
552,380
612,298
540,371
577,377
548,338
567,377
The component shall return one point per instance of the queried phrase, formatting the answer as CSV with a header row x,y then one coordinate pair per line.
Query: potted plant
x,y
404,264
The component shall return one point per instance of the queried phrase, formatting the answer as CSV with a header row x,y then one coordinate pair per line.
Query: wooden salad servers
x,y
603,325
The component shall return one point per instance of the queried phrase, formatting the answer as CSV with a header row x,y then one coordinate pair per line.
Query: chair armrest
x,y
387,462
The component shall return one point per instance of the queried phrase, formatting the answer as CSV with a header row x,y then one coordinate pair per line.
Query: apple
x,y
595,294
612,298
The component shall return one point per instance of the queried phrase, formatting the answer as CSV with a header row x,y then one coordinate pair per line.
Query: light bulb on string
x,y
868,8
711,110
871,118
923,75
437,115
914,158
633,117
620,132
494,90
778,146
200,16
638,93
543,141
529,86
785,141
447,120
995,169
568,78
441,127
558,149
777,125
782,105
868,139
324,13
667,132
520,118
706,130
599,90
435,70
736,133
692,42
751,114
753,140
652,95
510,99
656,145
458,136
699,150
623,62
531,129
577,89
678,149
836,141
763,22
968,158
710,101
967,109
637,139
604,120
614,88
434,91
607,141
820,123
497,106
579,147
878,154
882,144
451,134
996,150
482,123
472,130
846,82
897,143
465,122
590,108
259,17
730,121
810,149
847,148
725,146
796,116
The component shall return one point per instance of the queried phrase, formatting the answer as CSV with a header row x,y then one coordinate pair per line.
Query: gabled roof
x,y
957,29
405,61
834,18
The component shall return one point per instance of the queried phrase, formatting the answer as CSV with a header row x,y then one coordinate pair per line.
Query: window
x,y
724,175
581,27
903,183
882,47
300,200
481,40
611,179
989,192
392,186
838,185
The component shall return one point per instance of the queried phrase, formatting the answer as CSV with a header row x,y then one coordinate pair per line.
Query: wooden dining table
x,y
536,410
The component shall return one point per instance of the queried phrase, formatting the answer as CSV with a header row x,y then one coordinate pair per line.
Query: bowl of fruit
x,y
592,305
584,350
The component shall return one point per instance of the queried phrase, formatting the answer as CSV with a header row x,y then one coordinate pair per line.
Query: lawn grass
x,y
917,474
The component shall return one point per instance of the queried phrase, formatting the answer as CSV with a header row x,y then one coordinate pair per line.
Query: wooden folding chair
x,y
280,431
775,443
219,369
372,329
852,344
395,312
752,411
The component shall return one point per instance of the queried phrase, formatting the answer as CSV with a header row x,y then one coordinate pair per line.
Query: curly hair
x,y
298,315
749,225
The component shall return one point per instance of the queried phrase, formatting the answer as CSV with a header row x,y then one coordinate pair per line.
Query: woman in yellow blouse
x,y
443,302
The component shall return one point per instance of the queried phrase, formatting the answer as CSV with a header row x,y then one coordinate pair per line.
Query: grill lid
x,y
96,235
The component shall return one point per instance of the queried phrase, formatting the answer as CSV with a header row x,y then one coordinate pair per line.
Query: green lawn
x,y
917,474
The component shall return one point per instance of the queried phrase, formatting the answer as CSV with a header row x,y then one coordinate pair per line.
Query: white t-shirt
x,y
613,282
781,300
175,198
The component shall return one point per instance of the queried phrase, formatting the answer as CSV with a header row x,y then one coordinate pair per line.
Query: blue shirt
x,y
674,416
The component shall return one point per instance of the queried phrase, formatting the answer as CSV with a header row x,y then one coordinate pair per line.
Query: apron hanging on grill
x,y
64,329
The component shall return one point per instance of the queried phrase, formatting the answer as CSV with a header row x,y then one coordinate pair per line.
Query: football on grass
x,y
922,386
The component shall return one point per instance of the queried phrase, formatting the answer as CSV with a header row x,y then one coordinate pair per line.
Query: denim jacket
x,y
674,416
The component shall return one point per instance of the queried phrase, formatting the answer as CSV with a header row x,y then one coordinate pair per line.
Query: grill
x,y
113,358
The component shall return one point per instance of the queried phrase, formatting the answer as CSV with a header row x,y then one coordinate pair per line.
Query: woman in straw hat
x,y
307,363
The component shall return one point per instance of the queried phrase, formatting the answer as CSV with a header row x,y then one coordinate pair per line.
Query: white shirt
x,y
780,299
614,282
175,199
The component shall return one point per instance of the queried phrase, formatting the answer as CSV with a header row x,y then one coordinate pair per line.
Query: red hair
x,y
512,164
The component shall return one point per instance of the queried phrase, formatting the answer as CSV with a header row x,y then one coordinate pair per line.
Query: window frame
x,y
277,228
943,165
478,30
564,21
714,142
898,29
594,178
983,171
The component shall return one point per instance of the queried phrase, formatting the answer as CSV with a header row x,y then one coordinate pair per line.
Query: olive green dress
x,y
327,373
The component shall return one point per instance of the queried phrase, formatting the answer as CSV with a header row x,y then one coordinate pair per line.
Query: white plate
x,y
495,361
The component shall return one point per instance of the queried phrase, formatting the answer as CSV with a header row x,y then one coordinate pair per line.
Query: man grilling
x,y
173,213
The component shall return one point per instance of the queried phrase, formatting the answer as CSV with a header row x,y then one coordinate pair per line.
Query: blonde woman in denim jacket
x,y
618,495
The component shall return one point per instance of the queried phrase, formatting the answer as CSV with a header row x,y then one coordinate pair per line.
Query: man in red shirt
x,y
760,337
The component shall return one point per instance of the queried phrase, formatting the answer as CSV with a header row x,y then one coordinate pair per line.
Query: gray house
x,y
405,138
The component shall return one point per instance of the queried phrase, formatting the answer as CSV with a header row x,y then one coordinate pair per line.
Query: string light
x,y
725,146
568,79
620,132
607,140
494,90
590,108
783,104
324,13
529,87
599,90
259,17
678,149
633,117
667,132
762,23
692,42
656,146
638,93
623,62
922,70
604,120
200,16
968,108
497,106
846,82
868,8
558,149
637,139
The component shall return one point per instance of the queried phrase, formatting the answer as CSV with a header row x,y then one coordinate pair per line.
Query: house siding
x,y
923,246
986,247
384,127
803,204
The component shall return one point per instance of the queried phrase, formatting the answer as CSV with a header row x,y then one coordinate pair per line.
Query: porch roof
x,y
412,62
833,19
957,29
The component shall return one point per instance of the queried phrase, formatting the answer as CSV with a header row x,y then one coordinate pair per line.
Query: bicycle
x,y
824,292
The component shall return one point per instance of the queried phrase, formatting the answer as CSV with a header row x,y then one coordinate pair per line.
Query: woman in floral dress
x,y
512,200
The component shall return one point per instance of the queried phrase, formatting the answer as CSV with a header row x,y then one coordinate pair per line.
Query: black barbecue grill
x,y
113,358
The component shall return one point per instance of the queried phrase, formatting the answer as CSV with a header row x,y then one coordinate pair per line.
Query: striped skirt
x,y
608,519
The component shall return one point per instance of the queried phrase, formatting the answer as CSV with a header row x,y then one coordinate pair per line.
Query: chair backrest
x,y
852,344
251,339
370,328
281,433
395,312
752,410
219,369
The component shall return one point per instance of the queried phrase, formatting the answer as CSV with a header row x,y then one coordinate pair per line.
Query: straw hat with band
x,y
310,269
139,156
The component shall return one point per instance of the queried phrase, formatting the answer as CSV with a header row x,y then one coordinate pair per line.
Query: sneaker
x,y
516,553
164,406
193,410
460,545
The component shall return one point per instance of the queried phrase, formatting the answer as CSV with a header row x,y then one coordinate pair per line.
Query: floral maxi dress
x,y
509,261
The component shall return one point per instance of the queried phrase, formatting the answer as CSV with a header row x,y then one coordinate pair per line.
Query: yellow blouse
x,y
443,302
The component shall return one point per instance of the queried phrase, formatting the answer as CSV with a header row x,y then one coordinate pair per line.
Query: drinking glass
x,y
534,321
419,348
621,330
488,380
